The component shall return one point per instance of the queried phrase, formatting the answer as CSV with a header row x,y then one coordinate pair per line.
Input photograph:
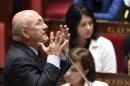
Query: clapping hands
x,y
57,42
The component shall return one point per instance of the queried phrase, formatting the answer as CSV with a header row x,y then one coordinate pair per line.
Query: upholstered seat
x,y
2,43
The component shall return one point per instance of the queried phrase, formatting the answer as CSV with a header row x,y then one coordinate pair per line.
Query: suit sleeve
x,y
30,75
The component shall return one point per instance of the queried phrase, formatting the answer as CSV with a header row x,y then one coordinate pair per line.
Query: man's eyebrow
x,y
39,21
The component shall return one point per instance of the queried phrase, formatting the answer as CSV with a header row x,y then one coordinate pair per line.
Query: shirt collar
x,y
127,3
95,43
34,50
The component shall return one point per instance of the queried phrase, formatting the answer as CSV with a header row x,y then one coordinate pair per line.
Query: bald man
x,y
23,66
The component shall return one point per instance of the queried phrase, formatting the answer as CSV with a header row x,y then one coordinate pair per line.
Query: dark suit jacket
x,y
24,68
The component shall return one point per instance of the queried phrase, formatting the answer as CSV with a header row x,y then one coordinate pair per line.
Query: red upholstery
x,y
46,8
61,0
57,9
2,43
117,41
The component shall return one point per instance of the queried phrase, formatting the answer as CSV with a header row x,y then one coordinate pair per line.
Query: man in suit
x,y
23,66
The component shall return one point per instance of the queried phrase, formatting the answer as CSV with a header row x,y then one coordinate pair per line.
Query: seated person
x,y
82,72
126,49
112,12
109,9
103,5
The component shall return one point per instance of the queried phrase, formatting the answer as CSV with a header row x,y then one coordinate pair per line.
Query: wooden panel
x,y
1,76
114,79
104,27
113,27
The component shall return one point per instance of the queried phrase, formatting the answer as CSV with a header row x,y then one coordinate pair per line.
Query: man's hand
x,y
57,42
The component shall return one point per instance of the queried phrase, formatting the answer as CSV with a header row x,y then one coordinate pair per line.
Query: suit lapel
x,y
29,51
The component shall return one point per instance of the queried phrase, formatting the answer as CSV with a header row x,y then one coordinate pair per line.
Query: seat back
x,y
57,8
2,43
117,41
116,32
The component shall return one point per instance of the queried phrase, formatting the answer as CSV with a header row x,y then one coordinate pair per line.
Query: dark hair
x,y
126,43
73,17
126,49
86,60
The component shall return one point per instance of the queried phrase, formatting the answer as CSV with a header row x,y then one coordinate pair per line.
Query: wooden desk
x,y
114,79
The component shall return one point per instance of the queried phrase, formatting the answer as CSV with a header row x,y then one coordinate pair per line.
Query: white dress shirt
x,y
127,3
104,55
94,83
53,59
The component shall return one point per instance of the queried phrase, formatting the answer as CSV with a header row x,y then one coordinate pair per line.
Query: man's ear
x,y
24,33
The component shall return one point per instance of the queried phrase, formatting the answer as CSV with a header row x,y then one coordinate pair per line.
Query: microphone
x,y
127,4
126,14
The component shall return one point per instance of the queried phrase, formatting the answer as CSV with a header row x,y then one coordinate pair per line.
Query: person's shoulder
x,y
16,51
103,41
101,38
99,83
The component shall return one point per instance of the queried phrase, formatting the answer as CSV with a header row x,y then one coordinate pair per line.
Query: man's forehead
x,y
26,13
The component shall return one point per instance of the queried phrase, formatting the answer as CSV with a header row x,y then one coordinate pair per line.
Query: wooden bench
x,y
114,79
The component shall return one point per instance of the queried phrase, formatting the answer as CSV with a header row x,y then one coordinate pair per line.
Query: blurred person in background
x,y
109,9
126,49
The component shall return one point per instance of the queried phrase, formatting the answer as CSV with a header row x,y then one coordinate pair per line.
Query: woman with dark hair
x,y
82,27
82,72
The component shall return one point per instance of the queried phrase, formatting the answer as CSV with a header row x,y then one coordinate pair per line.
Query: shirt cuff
x,y
53,59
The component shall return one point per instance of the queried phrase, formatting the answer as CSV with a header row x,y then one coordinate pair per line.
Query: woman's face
x,y
85,27
72,76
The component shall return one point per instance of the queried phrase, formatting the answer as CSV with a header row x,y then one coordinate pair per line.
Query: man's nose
x,y
68,74
44,26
